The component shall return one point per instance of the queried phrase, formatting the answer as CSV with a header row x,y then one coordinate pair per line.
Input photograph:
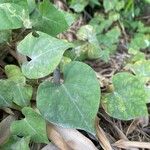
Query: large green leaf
x,y
48,19
14,15
75,102
32,125
45,53
128,100
15,143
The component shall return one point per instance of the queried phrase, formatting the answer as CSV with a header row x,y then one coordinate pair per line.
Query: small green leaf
x,y
140,41
15,143
13,72
109,5
74,103
87,33
48,19
108,42
141,69
33,125
128,100
45,53
21,92
78,6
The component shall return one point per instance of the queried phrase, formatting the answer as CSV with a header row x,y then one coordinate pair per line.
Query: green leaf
x,y
13,72
13,16
32,125
108,42
141,69
5,94
87,33
128,100
48,19
15,143
45,53
21,91
109,5
75,102
113,16
78,6
140,41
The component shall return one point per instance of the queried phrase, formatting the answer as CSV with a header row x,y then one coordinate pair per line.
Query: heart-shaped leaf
x,y
128,100
32,125
75,102
45,53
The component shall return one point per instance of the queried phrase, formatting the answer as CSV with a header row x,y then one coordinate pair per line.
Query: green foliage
x,y
68,98
128,100
45,52
73,101
14,89
33,126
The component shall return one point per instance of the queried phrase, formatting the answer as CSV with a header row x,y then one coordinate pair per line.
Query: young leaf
x,y
45,53
15,143
74,103
48,19
128,100
87,33
13,15
32,125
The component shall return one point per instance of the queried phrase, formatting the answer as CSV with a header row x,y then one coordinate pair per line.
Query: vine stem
x,y
56,76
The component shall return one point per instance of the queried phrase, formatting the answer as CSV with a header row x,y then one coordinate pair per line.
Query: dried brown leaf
x,y
104,142
69,139
131,144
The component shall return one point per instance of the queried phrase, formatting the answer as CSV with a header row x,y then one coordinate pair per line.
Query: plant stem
x,y
56,76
